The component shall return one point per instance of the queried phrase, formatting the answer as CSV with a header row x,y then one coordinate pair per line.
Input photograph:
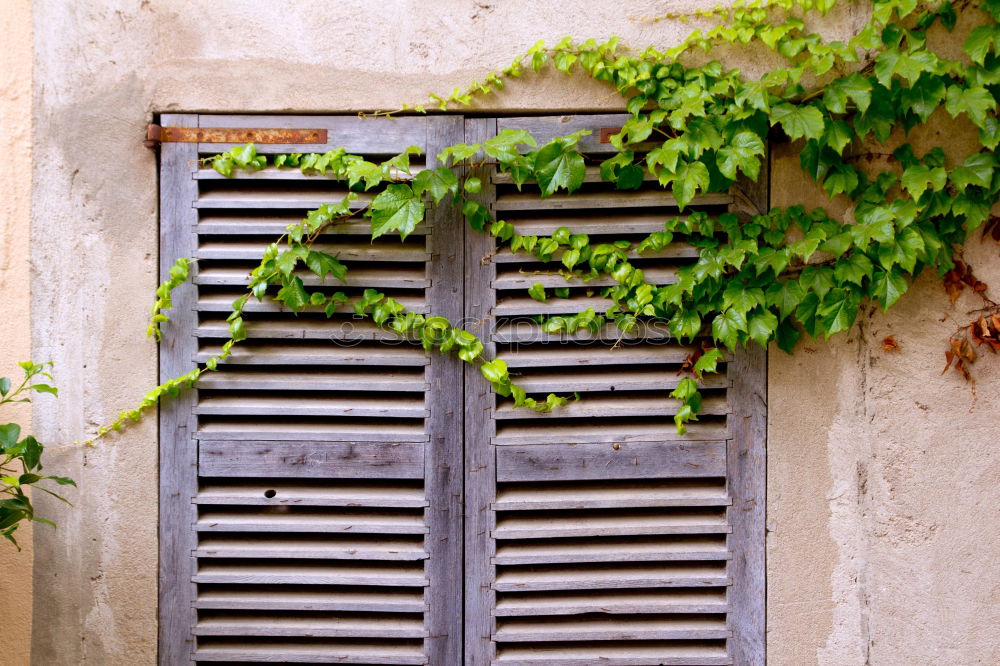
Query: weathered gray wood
x,y
273,225
703,600
347,252
297,405
516,433
672,251
606,222
612,629
318,354
318,651
590,201
612,524
395,379
613,577
311,625
444,457
649,654
253,196
178,460
375,600
610,378
612,494
330,548
551,462
402,277
222,302
524,305
480,478
526,330
307,520
747,487
378,136
285,431
279,492
628,549
311,459
521,279
345,328
571,355
747,462
607,407
284,572
546,128
591,175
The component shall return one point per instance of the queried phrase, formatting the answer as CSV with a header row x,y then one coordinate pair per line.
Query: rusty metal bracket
x,y
606,132
156,135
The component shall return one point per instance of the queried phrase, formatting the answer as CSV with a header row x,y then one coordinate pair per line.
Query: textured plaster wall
x,y
15,335
882,483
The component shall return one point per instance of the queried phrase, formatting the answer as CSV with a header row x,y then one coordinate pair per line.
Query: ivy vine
x,y
775,275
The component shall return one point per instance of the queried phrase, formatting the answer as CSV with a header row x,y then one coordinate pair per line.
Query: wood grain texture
x,y
480,473
444,457
630,460
326,460
747,461
178,455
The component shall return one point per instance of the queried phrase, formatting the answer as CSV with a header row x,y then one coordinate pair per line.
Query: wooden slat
x,y
310,459
224,519
274,224
613,577
255,546
287,173
572,355
550,462
613,629
609,378
337,330
590,201
284,572
312,625
178,472
404,277
627,602
346,252
264,195
444,455
301,431
479,598
646,654
610,495
247,597
318,355
524,330
515,433
278,492
223,303
610,550
356,135
592,174
314,652
609,407
672,251
298,405
517,305
611,524
520,279
393,379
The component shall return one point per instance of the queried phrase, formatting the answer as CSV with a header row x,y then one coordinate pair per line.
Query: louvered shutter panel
x,y
310,492
596,534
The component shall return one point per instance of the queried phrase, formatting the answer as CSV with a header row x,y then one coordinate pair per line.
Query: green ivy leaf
x,y
976,102
784,295
980,43
853,268
727,325
293,294
839,310
787,336
396,208
537,292
691,178
887,287
504,146
799,121
741,154
323,264
923,97
762,327
685,324
917,178
558,167
976,170
854,86
438,182
9,432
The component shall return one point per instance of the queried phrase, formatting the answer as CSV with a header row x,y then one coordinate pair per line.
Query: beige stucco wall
x,y
15,335
882,482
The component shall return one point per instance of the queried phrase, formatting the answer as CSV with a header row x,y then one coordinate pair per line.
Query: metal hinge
x,y
155,135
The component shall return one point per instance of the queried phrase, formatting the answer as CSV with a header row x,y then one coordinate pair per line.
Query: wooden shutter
x,y
595,534
310,491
